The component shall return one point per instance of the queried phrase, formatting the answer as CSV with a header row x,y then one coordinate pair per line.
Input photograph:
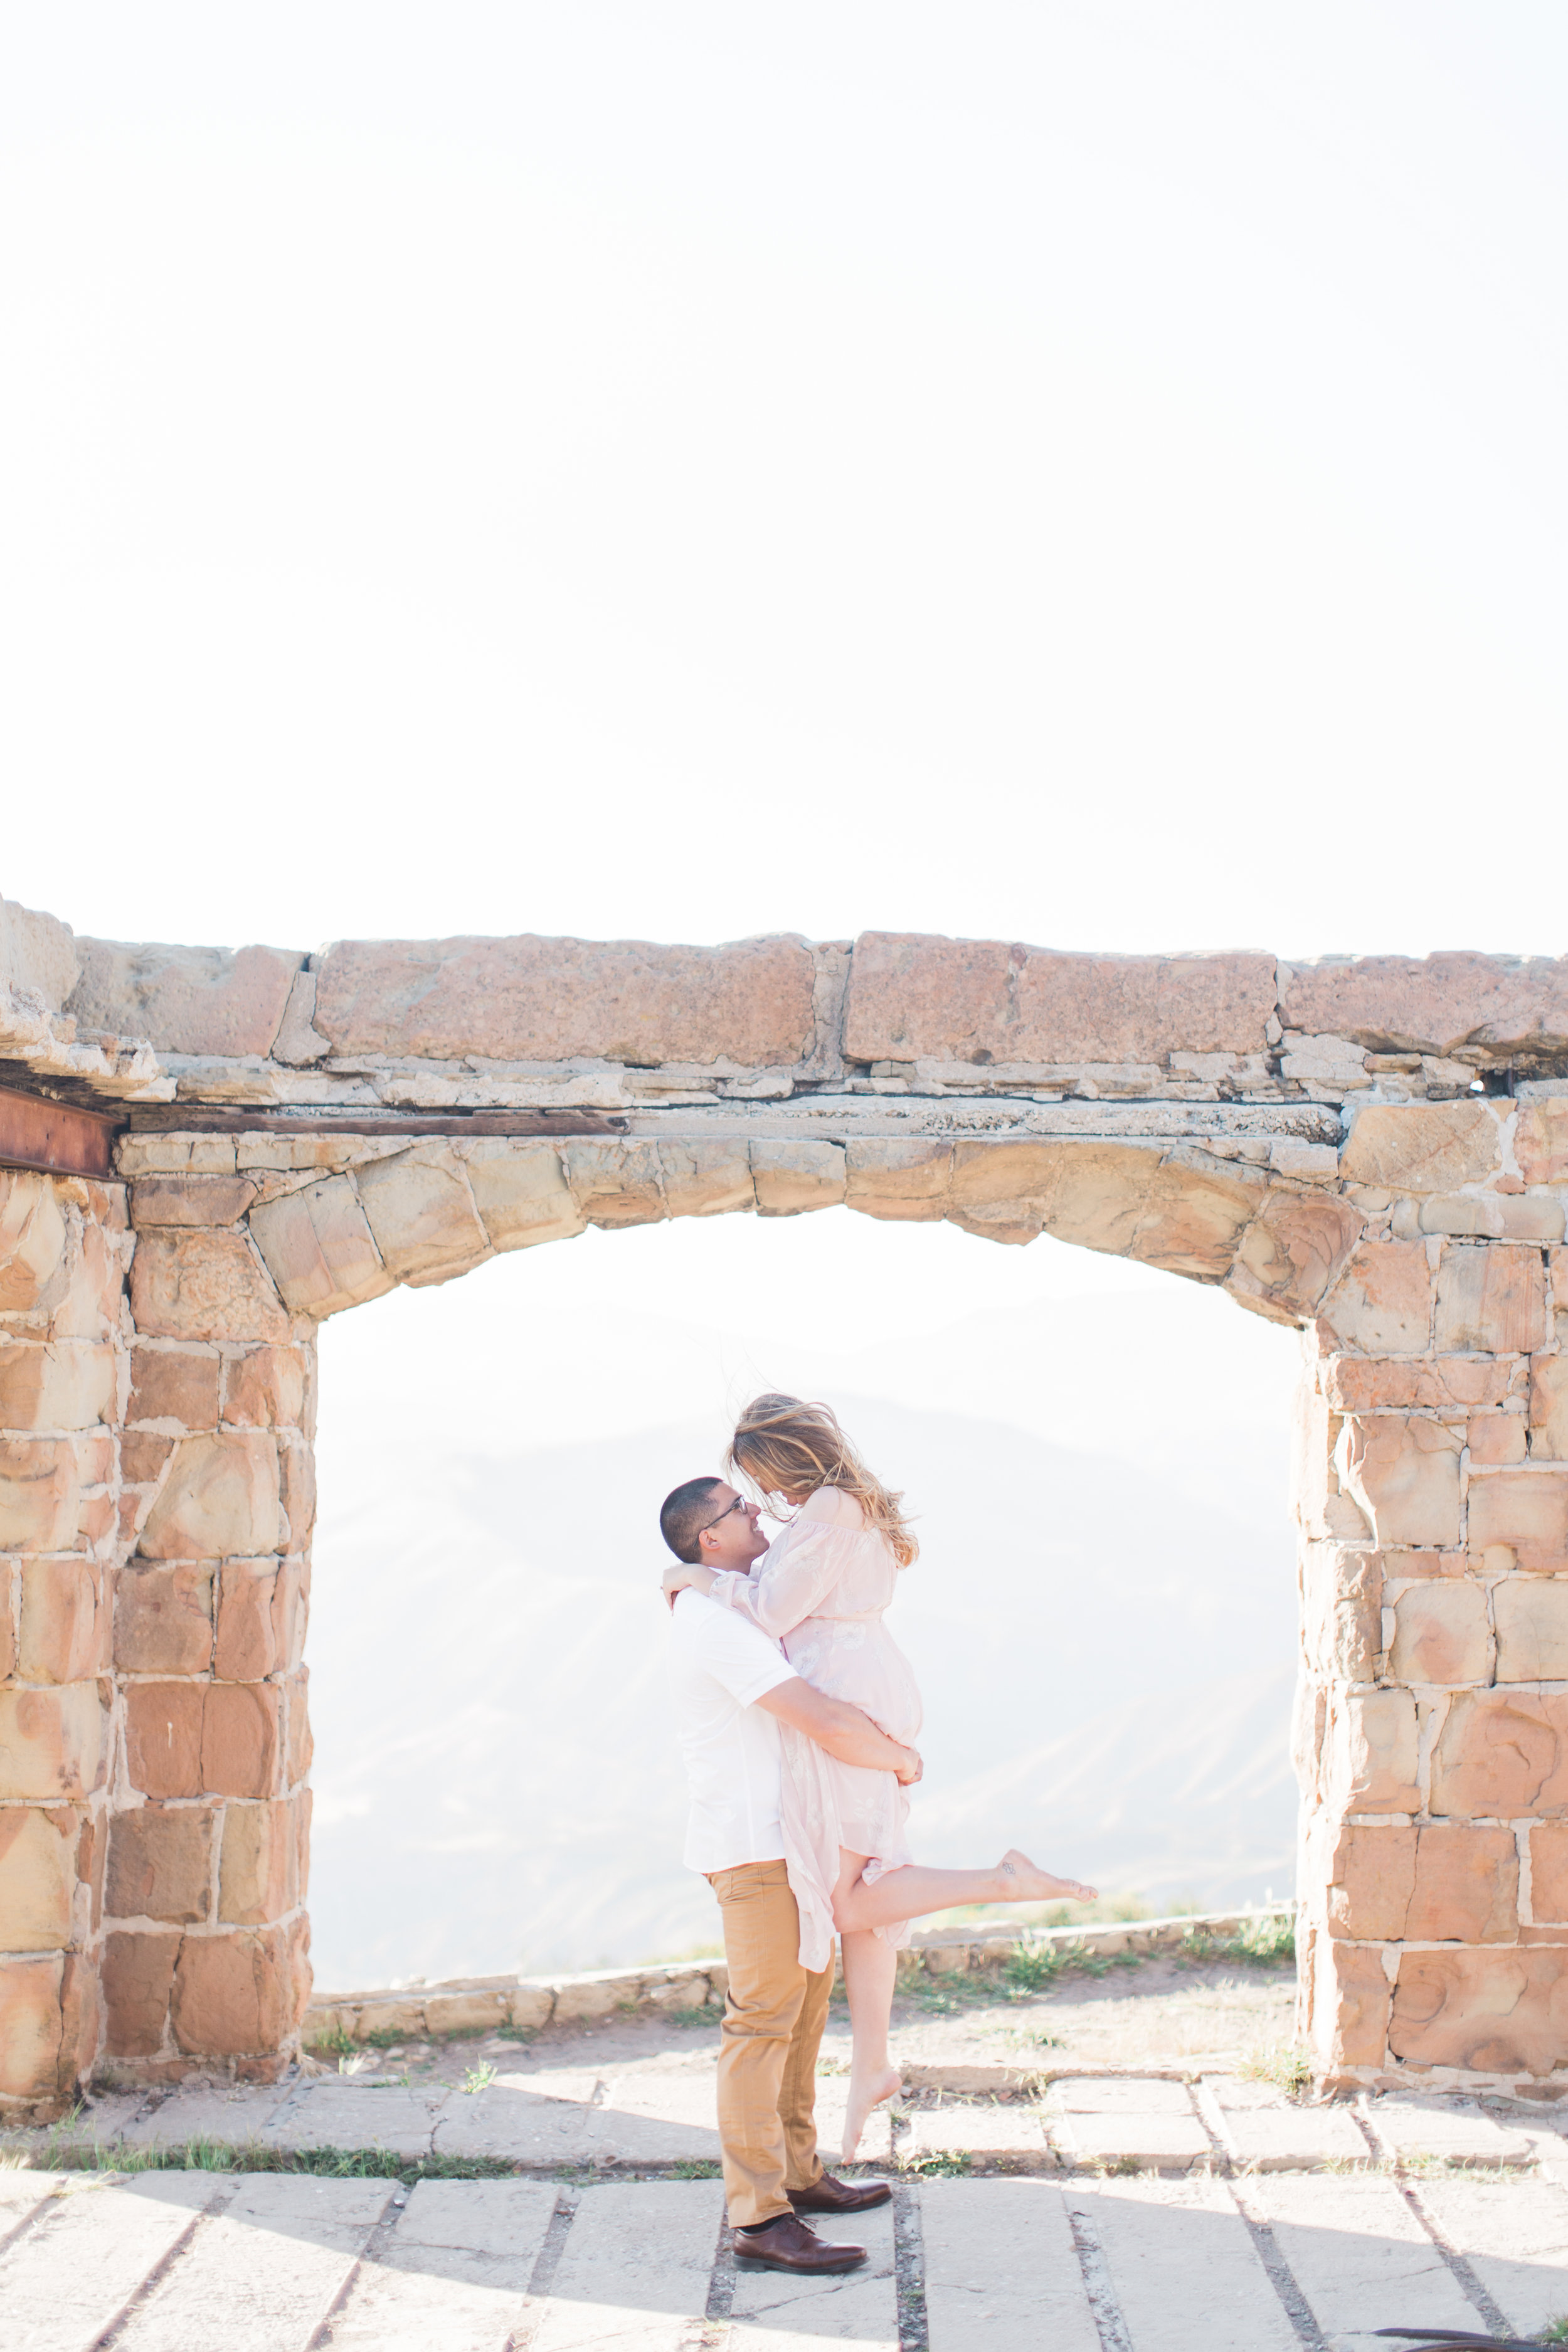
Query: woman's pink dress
x,y
821,1590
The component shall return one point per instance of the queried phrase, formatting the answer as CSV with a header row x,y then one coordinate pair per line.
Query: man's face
x,y
731,1540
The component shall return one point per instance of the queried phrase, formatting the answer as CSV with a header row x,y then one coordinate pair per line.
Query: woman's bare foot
x,y
865,2092
1026,1883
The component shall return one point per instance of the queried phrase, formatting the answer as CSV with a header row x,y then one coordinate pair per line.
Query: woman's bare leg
x,y
870,1966
906,1893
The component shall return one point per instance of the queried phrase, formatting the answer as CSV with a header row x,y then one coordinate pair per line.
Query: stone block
x,y
1502,1754
616,1184
1373,1880
161,1863
1319,1507
204,1285
1541,1142
62,1384
1382,1304
706,1179
1404,1473
183,1199
1494,2011
1350,2004
423,1216
1548,1403
32,1240
914,996
297,1473
466,2012
258,1874
1496,1439
265,1388
38,954
240,1728
1549,1871
175,1386
164,1619
1492,1299
1532,1615
250,1622
300,1746
1423,1147
38,1875
1370,1752
234,1993
1432,1004
1341,1611
183,999
904,1180
1467,1886
1494,1216
790,1177
30,2026
551,1000
521,1194
220,1498
65,1621
320,1249
138,1976
51,1743
9,1579
1524,1512
1293,1251
39,1494
1441,1634
193,1739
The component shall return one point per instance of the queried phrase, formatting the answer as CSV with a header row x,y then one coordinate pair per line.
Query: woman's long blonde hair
x,y
786,1447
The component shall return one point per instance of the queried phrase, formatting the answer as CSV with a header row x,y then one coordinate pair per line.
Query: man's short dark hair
x,y
685,1515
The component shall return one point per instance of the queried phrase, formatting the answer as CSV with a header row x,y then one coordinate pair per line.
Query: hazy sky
x,y
1090,473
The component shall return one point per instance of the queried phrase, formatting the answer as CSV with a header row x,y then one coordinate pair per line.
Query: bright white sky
x,y
1086,473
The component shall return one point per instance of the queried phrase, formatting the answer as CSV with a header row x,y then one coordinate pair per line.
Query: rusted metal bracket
x,y
55,1138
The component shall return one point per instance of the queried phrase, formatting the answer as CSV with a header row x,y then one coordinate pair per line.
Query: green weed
x,y
690,2017
1281,2063
1556,2330
516,2033
697,2167
1264,1941
335,2043
938,2164
478,2078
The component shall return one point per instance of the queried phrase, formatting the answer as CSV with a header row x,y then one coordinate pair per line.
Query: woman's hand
x,y
684,1578
911,1770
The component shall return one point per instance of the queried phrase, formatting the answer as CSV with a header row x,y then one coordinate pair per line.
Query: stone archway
x,y
299,1135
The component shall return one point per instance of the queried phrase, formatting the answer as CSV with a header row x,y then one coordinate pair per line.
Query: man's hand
x,y
911,1769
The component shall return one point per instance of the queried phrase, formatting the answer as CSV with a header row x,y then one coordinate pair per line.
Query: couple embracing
x,y
797,1714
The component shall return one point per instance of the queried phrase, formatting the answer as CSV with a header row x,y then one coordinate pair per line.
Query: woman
x,y
821,1589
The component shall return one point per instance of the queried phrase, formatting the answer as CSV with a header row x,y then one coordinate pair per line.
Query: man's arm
x,y
840,1729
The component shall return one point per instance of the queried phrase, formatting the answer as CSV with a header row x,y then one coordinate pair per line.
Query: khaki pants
x,y
773,2026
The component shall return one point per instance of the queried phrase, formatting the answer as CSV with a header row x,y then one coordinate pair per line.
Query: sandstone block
x,y
138,1975
1541,1142
521,1194
1373,1880
1441,1634
1370,1752
37,1876
39,1494
164,1619
85,1298
706,1179
258,1871
234,1993
1495,1439
9,1579
545,1000
1491,1299
193,1739
1497,2012
919,997
1549,1404
1423,1147
220,1498
616,1184
1532,1629
38,954
62,1384
1404,1473
1351,2002
423,1216
300,1746
204,1285
903,1180
297,1472
185,1000
265,1388
32,1240
240,1731
161,1863
1467,1886
248,1620
790,1177
65,1621
1322,1510
174,1385
1382,1304
1495,1216
1433,1004
466,2012
1525,1511
320,1249
1341,1611
30,2026
182,1199
1502,1754
1549,1871
51,1743
1293,1251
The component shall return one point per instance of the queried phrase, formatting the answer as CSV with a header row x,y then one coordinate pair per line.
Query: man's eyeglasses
x,y
737,1504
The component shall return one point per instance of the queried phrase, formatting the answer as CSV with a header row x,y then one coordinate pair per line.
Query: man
x,y
732,1687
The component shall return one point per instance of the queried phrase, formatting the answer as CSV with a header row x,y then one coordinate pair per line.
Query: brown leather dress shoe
x,y
830,2196
791,2246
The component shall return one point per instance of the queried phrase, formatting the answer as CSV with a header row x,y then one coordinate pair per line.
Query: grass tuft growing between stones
x,y
696,2167
938,2164
1263,1942
1279,2062
229,2156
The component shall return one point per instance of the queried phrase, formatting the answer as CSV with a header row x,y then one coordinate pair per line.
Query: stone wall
x,y
1373,1151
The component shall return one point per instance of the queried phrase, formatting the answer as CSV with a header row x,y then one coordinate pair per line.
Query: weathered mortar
x,y
1307,1138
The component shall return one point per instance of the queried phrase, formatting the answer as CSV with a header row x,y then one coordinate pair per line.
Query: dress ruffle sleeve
x,y
794,1578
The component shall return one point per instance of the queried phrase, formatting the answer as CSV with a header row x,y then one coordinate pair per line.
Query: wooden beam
x,y
55,1138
